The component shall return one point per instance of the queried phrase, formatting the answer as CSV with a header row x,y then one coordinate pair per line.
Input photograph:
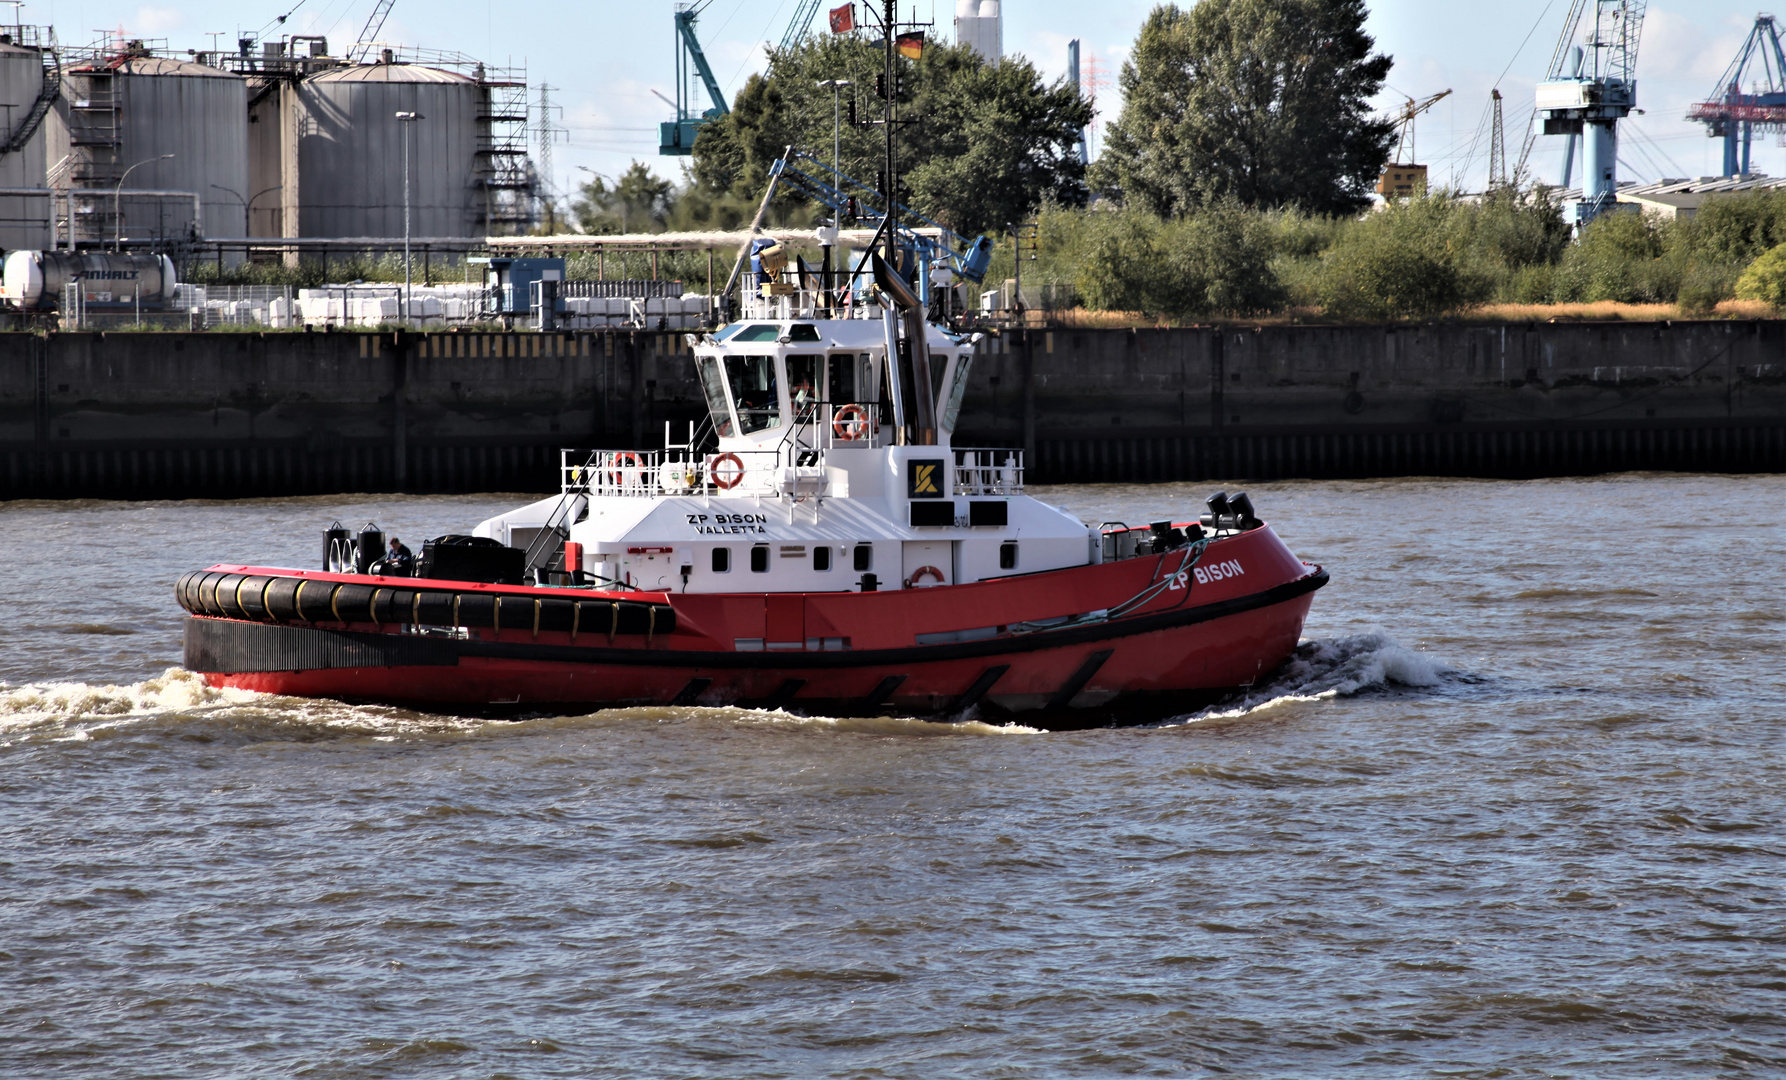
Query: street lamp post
x,y
407,118
836,87
244,202
118,202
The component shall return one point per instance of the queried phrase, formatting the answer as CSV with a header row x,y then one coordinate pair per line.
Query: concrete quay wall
x,y
178,415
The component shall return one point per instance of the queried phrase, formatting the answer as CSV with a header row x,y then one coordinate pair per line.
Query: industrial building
x,y
124,144
979,24
327,151
150,134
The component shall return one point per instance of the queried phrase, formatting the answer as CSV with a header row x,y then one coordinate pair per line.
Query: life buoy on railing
x,y
850,423
626,469
912,582
723,476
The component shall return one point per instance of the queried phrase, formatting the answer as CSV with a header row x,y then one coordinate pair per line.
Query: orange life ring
x,y
912,582
626,469
719,481
850,423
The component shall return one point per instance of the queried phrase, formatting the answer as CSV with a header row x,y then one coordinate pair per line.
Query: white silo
x,y
24,219
979,24
152,124
351,152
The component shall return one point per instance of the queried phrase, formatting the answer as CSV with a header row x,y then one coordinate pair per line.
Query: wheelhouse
x,y
777,382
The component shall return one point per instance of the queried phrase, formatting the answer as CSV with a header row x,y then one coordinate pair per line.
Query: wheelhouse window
x,y
752,381
803,382
842,387
951,409
758,332
714,389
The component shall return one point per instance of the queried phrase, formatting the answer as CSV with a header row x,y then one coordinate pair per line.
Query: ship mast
x,y
890,50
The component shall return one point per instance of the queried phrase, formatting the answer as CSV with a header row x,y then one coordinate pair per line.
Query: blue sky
x,y
605,58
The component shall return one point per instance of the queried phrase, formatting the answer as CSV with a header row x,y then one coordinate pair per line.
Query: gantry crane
x,y
1591,86
1402,177
678,136
1735,116
369,33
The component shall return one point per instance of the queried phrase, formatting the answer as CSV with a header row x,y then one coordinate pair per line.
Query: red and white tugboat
x,y
826,549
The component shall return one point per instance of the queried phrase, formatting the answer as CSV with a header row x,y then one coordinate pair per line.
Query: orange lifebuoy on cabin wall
x,y
912,582
850,423
729,478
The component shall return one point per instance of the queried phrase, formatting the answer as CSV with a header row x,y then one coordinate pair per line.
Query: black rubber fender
x,y
477,609
207,593
352,603
227,592
280,599
251,597
183,588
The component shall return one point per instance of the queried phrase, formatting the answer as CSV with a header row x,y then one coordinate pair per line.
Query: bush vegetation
x,y
1426,257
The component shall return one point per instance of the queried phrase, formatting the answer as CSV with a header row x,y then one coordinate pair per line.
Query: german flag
x,y
911,46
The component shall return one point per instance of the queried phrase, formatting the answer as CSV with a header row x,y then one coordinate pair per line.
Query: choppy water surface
x,y
1514,810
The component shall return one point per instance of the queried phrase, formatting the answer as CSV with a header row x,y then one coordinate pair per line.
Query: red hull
x,y
916,651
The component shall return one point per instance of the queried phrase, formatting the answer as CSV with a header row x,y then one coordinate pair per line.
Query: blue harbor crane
x,y
678,136
804,12
1591,86
1735,116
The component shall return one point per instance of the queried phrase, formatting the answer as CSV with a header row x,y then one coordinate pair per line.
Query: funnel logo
x,y
924,479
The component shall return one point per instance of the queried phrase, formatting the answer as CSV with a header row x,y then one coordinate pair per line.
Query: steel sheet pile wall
x,y
175,415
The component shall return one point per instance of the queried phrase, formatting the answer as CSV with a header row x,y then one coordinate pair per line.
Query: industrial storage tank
x,y
350,153
979,23
36,280
24,219
122,113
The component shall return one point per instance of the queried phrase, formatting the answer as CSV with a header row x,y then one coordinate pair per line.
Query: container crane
x,y
369,33
1590,87
1735,116
678,136
1401,177
804,12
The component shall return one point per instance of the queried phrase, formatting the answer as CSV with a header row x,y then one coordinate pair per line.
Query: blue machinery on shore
x,y
1591,86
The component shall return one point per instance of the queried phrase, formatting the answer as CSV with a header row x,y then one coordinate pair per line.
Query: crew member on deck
x,y
401,560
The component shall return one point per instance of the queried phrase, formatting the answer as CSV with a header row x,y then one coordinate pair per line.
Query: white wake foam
x,y
35,705
1340,667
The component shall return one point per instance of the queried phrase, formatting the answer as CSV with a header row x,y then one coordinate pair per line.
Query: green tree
x,y
991,143
1765,278
1265,101
1215,261
639,201
1411,259
1622,256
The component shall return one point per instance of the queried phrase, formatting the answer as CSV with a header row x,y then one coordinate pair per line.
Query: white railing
x,y
803,304
781,470
993,471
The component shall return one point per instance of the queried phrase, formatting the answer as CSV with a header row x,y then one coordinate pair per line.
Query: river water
x,y
1513,811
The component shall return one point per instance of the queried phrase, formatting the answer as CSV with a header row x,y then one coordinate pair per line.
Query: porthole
x,y
759,559
864,557
1007,555
722,560
821,557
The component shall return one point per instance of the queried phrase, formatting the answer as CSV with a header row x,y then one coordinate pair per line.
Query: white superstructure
x,y
819,474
